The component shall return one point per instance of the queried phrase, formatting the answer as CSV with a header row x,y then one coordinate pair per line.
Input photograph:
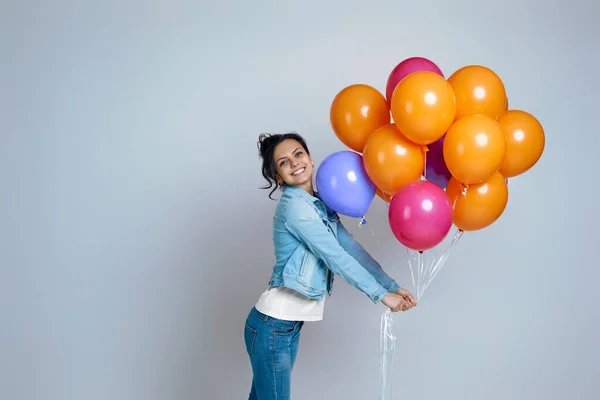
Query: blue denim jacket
x,y
311,243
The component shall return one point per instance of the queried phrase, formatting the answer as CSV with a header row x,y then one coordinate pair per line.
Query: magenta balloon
x,y
407,67
420,215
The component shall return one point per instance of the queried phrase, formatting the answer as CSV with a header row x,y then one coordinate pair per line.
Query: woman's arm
x,y
357,251
304,223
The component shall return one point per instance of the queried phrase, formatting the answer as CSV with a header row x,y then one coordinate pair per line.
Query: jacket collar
x,y
324,211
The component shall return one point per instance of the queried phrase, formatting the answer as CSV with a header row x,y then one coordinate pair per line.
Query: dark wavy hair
x,y
266,148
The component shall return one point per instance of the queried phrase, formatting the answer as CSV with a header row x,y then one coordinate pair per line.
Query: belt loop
x,y
259,315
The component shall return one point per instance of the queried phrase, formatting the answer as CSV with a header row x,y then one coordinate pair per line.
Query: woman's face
x,y
292,164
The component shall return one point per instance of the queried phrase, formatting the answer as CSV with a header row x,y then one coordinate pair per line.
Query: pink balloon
x,y
420,215
406,67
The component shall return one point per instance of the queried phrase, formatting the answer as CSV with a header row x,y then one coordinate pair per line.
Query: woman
x,y
311,245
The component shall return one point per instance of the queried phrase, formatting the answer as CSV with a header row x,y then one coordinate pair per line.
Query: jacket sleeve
x,y
306,225
358,252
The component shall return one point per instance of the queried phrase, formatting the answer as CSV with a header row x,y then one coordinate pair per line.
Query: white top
x,y
290,305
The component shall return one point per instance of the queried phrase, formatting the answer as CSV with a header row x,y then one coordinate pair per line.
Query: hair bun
x,y
264,141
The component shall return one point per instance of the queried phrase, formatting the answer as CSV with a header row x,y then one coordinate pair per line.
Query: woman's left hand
x,y
409,300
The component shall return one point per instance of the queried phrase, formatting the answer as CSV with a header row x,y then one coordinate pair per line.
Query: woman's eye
x,y
298,154
282,163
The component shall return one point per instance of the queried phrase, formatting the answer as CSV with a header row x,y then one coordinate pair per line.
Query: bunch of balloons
x,y
438,150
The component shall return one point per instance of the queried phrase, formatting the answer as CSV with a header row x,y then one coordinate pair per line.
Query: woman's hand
x,y
408,297
401,300
394,302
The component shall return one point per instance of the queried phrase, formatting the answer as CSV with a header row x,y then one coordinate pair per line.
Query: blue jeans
x,y
272,345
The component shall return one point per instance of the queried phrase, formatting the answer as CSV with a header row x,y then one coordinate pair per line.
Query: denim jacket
x,y
311,245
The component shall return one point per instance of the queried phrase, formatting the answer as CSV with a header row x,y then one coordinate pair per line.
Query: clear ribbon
x,y
387,347
424,267
436,266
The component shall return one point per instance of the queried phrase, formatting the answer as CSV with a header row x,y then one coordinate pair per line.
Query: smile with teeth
x,y
301,170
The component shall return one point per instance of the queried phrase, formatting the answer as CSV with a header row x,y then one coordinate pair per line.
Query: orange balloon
x,y
423,107
478,90
391,160
356,112
474,148
480,205
525,142
383,196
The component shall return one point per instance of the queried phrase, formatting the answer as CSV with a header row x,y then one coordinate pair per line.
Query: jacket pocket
x,y
249,338
308,262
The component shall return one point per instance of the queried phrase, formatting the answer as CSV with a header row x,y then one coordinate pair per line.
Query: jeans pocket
x,y
249,338
284,328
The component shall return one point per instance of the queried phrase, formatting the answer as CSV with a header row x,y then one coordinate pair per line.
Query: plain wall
x,y
134,238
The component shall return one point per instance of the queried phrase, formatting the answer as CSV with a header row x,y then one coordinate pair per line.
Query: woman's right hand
x,y
395,302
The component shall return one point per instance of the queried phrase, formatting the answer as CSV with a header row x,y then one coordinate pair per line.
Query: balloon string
x,y
425,163
425,266
387,348
375,236
421,271
412,273
463,192
387,345
442,260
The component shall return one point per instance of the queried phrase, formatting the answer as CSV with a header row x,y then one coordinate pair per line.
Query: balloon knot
x,y
362,222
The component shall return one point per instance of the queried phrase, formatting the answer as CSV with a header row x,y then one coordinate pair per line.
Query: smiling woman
x,y
286,159
311,245
294,165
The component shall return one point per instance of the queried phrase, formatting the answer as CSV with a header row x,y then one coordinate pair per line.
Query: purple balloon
x,y
436,170
407,67
343,184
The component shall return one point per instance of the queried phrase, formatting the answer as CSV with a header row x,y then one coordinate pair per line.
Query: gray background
x,y
135,240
